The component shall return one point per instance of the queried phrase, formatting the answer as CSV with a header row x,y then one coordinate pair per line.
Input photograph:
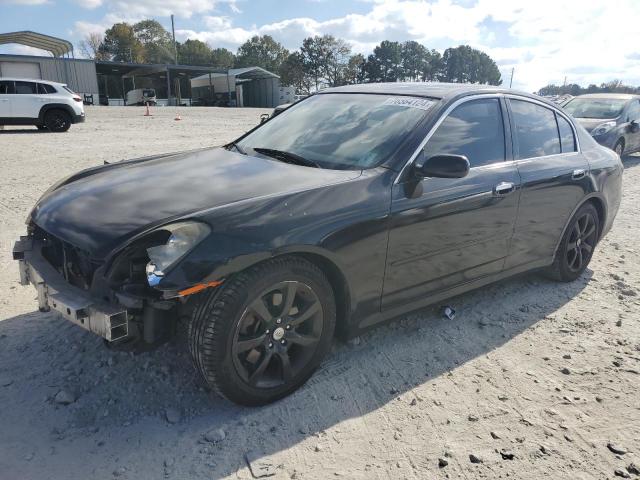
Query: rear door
x,y
6,94
554,179
446,232
26,101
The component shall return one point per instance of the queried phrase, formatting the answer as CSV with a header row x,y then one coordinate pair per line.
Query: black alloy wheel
x,y
577,245
263,333
582,241
57,121
278,334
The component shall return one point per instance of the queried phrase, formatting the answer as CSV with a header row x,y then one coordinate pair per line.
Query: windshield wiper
x,y
286,157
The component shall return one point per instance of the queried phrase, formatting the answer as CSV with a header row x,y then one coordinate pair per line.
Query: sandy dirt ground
x,y
532,379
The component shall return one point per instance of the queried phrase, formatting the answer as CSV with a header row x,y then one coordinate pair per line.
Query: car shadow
x,y
156,399
631,161
21,131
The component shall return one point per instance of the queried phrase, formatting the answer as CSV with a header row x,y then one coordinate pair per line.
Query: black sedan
x,y
351,207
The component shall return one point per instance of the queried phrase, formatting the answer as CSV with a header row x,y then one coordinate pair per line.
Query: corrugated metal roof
x,y
57,46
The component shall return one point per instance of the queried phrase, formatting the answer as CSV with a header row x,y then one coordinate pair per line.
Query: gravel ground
x,y
532,379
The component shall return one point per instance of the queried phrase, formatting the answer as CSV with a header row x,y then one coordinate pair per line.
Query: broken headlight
x,y
184,236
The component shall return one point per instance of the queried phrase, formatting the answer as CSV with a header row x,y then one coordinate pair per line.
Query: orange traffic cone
x,y
147,113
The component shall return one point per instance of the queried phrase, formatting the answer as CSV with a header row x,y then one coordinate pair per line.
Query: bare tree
x,y
90,47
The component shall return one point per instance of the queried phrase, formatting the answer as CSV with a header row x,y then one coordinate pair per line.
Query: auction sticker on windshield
x,y
421,103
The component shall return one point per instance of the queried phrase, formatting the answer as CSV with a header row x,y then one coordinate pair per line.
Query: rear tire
x,y
57,121
619,147
577,245
262,334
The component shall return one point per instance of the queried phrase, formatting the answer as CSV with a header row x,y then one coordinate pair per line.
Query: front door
x,y
26,101
554,180
445,232
633,137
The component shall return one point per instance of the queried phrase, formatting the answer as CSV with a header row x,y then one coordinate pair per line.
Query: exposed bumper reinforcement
x,y
76,305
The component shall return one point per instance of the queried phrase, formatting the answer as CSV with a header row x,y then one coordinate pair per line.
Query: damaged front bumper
x,y
109,321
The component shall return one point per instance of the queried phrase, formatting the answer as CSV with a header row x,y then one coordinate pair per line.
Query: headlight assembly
x,y
603,128
184,236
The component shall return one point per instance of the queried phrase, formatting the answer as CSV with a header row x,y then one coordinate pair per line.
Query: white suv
x,y
47,105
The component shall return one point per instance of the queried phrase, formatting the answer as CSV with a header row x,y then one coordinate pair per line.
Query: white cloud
x,y
544,40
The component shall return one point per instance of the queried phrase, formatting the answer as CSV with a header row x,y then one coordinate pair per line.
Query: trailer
x,y
141,96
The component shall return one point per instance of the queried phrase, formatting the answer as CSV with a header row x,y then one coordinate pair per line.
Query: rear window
x,y
26,88
68,90
536,130
45,89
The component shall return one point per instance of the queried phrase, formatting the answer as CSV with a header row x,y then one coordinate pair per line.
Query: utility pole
x,y
511,81
175,47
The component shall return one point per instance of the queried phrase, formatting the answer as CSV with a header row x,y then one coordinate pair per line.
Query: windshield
x,y
595,107
341,131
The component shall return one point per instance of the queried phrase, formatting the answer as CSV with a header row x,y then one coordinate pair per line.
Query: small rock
x,y
568,438
503,398
318,447
621,472
472,418
619,323
617,449
507,454
394,391
494,435
566,356
566,371
617,363
118,472
442,462
64,397
172,415
599,399
632,468
474,458
216,435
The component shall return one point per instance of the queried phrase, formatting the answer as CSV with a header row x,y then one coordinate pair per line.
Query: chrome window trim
x,y
472,97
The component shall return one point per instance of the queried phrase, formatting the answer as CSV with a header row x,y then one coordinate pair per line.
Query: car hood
x,y
590,123
101,208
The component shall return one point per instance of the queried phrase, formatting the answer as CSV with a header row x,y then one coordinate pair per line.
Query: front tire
x,y
619,147
264,332
577,245
57,121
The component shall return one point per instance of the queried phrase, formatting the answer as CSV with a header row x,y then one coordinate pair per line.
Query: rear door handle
x,y
578,173
504,188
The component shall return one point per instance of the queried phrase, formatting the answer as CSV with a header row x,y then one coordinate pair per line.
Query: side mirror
x,y
443,166
635,126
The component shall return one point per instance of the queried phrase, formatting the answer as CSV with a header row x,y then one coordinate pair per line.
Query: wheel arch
x,y
599,203
54,106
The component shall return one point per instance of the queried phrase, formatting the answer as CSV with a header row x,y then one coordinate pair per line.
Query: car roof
x,y
421,89
620,96
38,80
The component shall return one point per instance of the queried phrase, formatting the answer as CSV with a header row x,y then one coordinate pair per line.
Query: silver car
x,y
612,119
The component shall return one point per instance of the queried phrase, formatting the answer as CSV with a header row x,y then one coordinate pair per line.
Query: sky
x,y
586,41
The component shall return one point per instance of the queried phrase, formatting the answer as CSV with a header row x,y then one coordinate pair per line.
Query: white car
x,y
47,105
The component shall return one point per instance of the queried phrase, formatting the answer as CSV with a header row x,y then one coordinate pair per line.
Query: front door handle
x,y
504,188
578,173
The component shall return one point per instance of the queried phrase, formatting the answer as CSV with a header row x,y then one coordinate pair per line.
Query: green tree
x,y
355,72
292,73
156,41
325,59
194,52
121,44
262,52
464,64
223,58
385,64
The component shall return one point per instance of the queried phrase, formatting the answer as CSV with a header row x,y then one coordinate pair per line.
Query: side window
x,y
536,131
44,89
567,140
26,88
6,87
475,130
634,111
